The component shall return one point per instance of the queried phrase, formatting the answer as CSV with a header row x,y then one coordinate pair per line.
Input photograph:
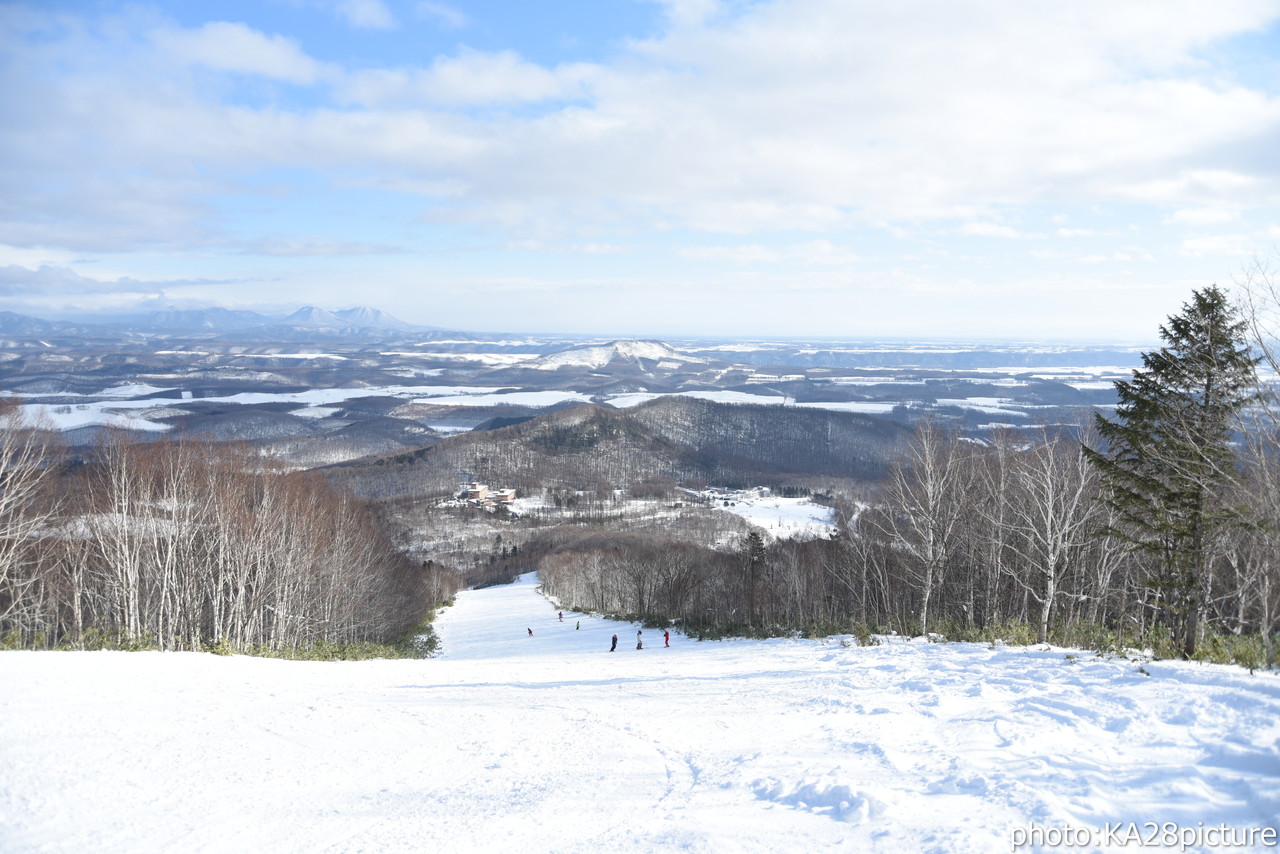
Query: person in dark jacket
x,y
615,644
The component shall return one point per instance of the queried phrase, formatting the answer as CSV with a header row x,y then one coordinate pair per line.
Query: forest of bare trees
x,y
191,545
1022,535
1004,539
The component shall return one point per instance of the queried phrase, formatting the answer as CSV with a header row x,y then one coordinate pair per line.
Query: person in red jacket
x,y
666,638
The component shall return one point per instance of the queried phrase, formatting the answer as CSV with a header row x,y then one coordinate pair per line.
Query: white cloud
x,y
365,14
600,248
824,253
225,46
447,15
1201,216
817,253
580,248
54,288
1121,257
991,229
746,255
1196,185
1256,243
469,78
309,248
34,257
743,119
787,125
686,13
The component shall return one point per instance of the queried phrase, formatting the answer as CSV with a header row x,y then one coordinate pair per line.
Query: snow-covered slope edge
x,y
549,742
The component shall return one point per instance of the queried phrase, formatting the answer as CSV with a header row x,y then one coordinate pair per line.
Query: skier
x,y
530,632
561,613
577,625
639,642
615,644
666,637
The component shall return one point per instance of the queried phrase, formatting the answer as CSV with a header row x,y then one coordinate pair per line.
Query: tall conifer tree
x,y
1168,457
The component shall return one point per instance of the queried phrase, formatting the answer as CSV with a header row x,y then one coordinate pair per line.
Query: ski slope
x,y
511,742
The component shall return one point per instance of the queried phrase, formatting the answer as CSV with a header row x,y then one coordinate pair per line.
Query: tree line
x,y
1158,525
190,545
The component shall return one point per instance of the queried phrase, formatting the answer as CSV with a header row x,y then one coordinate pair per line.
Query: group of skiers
x,y
666,636
666,640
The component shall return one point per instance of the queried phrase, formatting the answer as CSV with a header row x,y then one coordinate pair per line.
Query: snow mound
x,y
822,796
600,355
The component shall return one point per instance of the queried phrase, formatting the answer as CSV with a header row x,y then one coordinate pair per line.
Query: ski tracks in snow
x,y
549,742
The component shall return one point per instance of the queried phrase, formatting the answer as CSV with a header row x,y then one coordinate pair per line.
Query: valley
x,y
310,392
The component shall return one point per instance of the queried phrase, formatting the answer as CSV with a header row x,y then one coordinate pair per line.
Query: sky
x,y
964,169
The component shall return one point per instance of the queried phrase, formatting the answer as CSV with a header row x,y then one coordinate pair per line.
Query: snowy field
x,y
114,411
549,742
780,518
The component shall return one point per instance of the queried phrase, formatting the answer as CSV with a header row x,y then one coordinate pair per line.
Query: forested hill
x,y
670,437
792,440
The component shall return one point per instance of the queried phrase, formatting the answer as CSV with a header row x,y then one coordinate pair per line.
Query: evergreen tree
x,y
1168,457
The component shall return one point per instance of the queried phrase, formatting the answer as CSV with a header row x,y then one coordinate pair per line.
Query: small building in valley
x,y
480,495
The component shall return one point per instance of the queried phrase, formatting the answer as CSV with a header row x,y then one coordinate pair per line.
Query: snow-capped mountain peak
x,y
364,316
313,316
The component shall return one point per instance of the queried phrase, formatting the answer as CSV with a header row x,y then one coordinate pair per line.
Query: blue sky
x,y
827,168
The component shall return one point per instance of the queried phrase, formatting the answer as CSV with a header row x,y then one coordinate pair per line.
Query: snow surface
x,y
65,417
113,411
549,742
492,359
782,518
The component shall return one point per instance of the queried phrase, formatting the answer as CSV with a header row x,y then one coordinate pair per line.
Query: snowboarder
x,y
615,644
666,638
639,642
530,632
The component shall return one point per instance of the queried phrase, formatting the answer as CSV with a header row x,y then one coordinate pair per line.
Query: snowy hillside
x,y
549,742
599,356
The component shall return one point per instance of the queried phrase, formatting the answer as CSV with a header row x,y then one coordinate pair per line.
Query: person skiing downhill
x,y
615,644
666,638
561,614
530,632
639,642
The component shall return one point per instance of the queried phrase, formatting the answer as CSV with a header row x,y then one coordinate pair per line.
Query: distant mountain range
x,y
23,326
309,319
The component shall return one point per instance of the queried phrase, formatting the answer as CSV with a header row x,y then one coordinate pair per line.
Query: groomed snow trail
x,y
549,742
